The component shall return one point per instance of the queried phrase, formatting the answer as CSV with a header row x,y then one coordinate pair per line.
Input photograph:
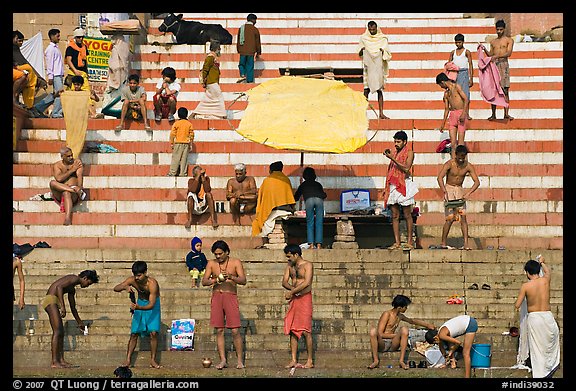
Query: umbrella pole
x,y
301,165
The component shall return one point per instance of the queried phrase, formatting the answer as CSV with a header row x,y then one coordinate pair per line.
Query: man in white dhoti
x,y
373,49
541,327
211,104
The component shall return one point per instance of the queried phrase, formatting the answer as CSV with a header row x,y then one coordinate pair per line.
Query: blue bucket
x,y
480,355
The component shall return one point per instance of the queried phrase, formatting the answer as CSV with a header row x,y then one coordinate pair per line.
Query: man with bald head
x,y
241,192
66,187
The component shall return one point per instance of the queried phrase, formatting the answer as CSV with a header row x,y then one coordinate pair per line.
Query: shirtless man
x,y
456,105
297,280
223,274
542,329
66,187
54,306
387,337
455,170
146,311
200,199
242,192
500,49
17,268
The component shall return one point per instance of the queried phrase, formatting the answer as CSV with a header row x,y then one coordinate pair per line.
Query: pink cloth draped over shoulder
x,y
451,70
489,79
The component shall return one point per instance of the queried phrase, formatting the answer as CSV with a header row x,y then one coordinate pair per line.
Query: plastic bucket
x,y
480,355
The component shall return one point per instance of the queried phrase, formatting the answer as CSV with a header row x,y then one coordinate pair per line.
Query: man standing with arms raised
x,y
542,329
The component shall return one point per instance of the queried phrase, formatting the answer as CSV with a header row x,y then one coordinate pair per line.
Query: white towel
x,y
544,343
523,338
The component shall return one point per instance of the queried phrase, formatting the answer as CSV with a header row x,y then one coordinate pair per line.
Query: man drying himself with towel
x,y
297,280
223,274
146,316
542,330
54,306
373,49
275,199
455,170
500,50
66,187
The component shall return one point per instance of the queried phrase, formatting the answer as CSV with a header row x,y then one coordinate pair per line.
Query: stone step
x,y
269,364
206,339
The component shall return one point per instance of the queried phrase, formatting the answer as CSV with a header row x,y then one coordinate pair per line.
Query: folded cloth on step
x,y
127,27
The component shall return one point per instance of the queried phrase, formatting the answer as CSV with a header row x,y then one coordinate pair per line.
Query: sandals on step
x,y
454,299
473,287
395,247
486,287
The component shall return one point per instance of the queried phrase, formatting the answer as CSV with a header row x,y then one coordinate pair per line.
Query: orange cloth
x,y
276,190
16,74
75,107
81,53
395,175
299,315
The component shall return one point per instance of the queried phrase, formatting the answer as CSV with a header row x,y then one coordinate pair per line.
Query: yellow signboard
x,y
99,50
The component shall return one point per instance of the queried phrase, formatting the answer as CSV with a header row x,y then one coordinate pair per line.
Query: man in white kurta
x,y
541,328
373,49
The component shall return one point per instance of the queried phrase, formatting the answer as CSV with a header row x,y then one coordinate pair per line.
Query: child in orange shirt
x,y
181,137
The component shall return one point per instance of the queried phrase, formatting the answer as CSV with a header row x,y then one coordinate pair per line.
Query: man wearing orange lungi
x,y
298,321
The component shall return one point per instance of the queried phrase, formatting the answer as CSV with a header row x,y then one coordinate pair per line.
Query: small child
x,y
456,105
463,59
77,83
181,137
165,98
133,102
196,261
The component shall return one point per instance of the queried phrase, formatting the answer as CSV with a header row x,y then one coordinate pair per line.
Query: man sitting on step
x,y
241,192
275,199
199,199
67,185
387,337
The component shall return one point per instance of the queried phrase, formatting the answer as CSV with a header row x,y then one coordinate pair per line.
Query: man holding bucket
x,y
460,325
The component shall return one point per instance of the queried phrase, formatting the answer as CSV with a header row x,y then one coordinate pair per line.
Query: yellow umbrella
x,y
305,114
